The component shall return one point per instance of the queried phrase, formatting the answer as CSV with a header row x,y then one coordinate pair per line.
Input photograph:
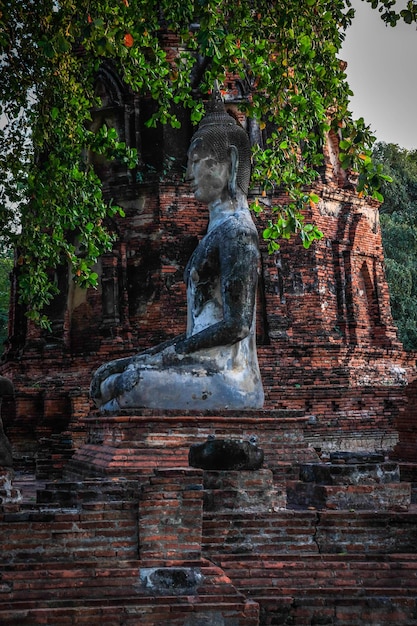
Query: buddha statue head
x,y
224,146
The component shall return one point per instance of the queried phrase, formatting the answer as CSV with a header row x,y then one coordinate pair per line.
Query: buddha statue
x,y
214,365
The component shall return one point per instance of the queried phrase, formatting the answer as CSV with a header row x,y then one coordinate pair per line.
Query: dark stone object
x,y
176,580
226,454
6,387
357,457
6,453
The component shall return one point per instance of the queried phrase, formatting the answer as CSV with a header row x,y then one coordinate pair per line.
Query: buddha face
x,y
208,177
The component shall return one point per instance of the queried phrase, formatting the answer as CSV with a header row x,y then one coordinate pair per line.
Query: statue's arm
x,y
158,348
239,260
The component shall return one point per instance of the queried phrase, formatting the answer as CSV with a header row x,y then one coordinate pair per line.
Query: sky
x,y
382,73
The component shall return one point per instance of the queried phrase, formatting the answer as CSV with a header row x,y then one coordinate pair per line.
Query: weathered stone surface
x,y
8,492
357,456
350,474
226,454
175,580
240,490
355,497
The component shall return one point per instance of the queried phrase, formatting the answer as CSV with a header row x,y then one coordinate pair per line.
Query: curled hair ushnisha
x,y
220,131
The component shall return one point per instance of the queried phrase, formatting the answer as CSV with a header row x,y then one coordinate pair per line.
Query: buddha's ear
x,y
234,164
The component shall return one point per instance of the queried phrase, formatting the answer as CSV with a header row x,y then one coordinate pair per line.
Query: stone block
x,y
362,497
226,454
240,490
352,473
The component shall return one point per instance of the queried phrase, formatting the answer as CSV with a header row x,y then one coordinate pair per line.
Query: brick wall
x,y
170,521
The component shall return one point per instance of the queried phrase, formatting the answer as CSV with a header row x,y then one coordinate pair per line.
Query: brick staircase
x,y
72,557
58,594
346,590
225,548
78,564
303,567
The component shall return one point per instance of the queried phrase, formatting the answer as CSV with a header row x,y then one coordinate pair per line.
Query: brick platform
x,y
126,444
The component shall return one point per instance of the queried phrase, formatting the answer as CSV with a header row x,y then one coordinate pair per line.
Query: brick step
x,y
73,493
331,592
328,589
394,496
152,612
126,594
287,575
341,608
316,589
351,470
310,532
268,532
94,459
392,559
92,530
23,586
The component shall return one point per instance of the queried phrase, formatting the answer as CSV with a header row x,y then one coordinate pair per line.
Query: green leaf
x,y
344,145
289,59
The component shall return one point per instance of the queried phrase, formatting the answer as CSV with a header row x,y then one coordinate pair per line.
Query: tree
x,y
50,52
6,265
399,234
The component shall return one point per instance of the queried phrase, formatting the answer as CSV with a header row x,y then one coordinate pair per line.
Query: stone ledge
x,y
363,497
137,444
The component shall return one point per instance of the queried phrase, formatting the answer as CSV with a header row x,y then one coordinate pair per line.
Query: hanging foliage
x,y
50,52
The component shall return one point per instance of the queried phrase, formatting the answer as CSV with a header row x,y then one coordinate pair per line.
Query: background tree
x,y
6,265
399,232
50,51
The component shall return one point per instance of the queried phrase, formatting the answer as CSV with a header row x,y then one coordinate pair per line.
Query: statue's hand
x,y
170,356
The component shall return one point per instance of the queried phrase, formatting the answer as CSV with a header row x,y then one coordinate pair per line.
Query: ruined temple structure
x,y
107,521
326,338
